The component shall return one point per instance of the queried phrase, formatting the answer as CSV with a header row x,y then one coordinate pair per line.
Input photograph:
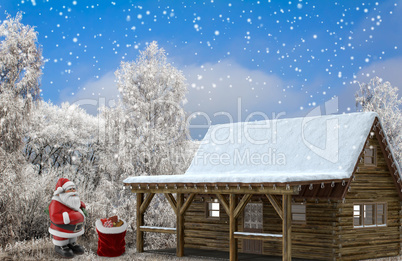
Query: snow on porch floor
x,y
218,255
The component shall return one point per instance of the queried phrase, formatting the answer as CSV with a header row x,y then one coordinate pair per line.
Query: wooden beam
x,y
146,202
140,222
331,188
239,209
187,204
259,236
223,202
169,230
287,228
180,226
232,228
316,188
276,204
172,201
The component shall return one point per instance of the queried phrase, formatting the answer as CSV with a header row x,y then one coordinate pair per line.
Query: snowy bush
x,y
23,199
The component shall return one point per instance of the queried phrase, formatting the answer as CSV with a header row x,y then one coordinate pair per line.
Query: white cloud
x,y
95,94
212,89
388,70
215,88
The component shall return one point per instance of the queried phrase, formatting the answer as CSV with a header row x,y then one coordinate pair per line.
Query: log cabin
x,y
318,188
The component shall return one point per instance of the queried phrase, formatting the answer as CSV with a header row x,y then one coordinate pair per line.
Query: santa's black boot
x,y
77,249
64,251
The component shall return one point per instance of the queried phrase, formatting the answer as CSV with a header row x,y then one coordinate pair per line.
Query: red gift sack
x,y
111,242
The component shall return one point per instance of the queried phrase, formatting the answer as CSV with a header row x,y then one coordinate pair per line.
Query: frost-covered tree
x,y
61,137
153,93
20,71
381,97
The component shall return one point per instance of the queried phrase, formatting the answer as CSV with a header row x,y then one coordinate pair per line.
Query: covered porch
x,y
233,197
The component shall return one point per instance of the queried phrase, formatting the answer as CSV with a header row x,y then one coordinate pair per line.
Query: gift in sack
x,y
114,219
106,222
111,241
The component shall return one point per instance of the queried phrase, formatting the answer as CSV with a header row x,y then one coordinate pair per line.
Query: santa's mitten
x,y
85,212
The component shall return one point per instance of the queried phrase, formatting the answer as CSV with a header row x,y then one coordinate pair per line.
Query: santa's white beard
x,y
71,200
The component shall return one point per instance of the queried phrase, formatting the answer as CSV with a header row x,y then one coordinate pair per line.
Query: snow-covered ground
x,y
43,249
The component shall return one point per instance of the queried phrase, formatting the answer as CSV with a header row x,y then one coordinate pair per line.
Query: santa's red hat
x,y
62,185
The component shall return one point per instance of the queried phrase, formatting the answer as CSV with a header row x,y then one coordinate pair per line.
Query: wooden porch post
x,y
287,228
140,222
180,226
232,228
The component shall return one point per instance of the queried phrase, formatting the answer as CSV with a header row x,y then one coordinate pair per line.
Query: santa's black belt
x,y
74,228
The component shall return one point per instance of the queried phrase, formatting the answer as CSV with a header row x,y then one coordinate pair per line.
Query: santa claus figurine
x,y
67,219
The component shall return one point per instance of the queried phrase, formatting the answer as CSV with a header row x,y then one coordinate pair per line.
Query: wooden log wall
x,y
370,184
205,233
313,240
202,232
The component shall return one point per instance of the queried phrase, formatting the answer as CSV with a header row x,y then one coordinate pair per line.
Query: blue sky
x,y
239,57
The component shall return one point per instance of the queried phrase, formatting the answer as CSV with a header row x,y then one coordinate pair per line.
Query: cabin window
x,y
369,215
298,213
213,209
253,217
370,156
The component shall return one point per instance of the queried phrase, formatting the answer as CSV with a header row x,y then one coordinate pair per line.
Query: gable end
x,y
378,133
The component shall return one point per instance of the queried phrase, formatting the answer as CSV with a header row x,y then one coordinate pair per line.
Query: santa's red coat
x,y
61,214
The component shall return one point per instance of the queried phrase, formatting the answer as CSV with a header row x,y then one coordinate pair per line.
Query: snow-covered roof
x,y
277,151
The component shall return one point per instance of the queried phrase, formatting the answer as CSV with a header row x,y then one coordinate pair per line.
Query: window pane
x,y
369,217
369,160
299,217
381,214
369,152
357,218
214,206
214,213
381,220
380,209
357,221
298,208
253,217
356,210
